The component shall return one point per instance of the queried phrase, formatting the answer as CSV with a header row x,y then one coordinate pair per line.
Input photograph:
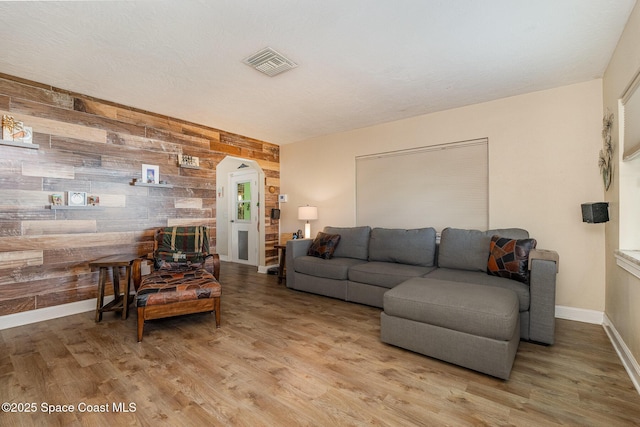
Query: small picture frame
x,y
57,199
76,198
188,161
93,200
150,174
23,134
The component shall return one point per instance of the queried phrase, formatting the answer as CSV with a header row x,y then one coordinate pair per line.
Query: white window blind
x,y
437,186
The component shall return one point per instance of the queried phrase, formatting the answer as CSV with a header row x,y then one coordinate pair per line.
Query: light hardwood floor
x,y
286,358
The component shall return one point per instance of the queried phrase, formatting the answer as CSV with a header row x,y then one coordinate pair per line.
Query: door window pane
x,y
243,204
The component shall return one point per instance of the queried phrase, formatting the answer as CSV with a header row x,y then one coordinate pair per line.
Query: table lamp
x,y
306,213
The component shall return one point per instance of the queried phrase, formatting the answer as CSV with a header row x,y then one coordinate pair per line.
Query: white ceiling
x,y
361,62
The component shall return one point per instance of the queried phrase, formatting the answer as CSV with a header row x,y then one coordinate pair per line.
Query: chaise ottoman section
x,y
473,326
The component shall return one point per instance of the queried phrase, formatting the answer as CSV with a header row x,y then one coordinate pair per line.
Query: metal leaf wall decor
x,y
605,160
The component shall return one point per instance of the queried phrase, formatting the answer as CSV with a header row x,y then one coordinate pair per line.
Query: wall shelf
x,y
19,144
186,166
144,184
63,207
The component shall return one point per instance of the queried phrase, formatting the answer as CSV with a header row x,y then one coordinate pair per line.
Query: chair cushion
x,y
168,286
177,246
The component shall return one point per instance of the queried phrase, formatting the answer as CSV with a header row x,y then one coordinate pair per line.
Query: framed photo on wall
x,y
57,199
76,198
150,174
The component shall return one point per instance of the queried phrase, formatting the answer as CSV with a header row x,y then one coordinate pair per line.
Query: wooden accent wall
x,y
98,147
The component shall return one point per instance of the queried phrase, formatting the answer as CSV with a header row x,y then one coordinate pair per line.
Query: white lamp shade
x,y
307,212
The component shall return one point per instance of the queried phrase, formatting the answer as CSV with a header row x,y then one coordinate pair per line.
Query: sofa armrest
x,y
295,248
544,267
544,254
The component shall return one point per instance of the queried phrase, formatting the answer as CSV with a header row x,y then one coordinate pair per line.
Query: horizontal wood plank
x,y
23,198
19,259
43,95
90,121
185,222
59,128
48,170
37,228
70,295
194,203
51,283
54,241
17,305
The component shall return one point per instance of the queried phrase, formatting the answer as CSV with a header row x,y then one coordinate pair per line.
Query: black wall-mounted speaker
x,y
275,213
593,213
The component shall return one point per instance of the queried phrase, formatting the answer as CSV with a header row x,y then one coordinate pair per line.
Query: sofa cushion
x,y
354,241
324,245
483,279
490,312
463,249
413,247
469,249
511,233
509,258
334,268
385,274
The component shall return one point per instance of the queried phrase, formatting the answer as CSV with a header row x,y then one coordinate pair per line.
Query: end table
x,y
282,264
122,300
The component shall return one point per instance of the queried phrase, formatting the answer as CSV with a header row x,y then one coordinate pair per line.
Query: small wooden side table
x,y
122,300
282,265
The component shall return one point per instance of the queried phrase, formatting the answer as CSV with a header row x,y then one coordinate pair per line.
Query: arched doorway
x,y
240,235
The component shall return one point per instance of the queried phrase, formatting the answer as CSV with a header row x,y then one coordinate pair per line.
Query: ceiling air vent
x,y
269,62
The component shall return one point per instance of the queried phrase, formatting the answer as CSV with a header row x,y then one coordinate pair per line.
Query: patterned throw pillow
x,y
510,258
323,245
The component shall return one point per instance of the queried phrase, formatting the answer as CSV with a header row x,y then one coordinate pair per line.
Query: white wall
x,y
623,289
543,161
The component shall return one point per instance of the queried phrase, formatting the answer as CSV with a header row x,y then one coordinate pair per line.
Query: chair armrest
x,y
542,287
136,271
295,248
212,265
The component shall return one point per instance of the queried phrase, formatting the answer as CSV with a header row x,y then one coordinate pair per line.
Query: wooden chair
x,y
184,279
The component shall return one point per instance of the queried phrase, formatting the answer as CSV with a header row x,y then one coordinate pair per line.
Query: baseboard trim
x,y
48,313
626,357
33,316
579,314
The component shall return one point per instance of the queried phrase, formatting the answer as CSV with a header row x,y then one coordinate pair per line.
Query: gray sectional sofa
x,y
367,263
